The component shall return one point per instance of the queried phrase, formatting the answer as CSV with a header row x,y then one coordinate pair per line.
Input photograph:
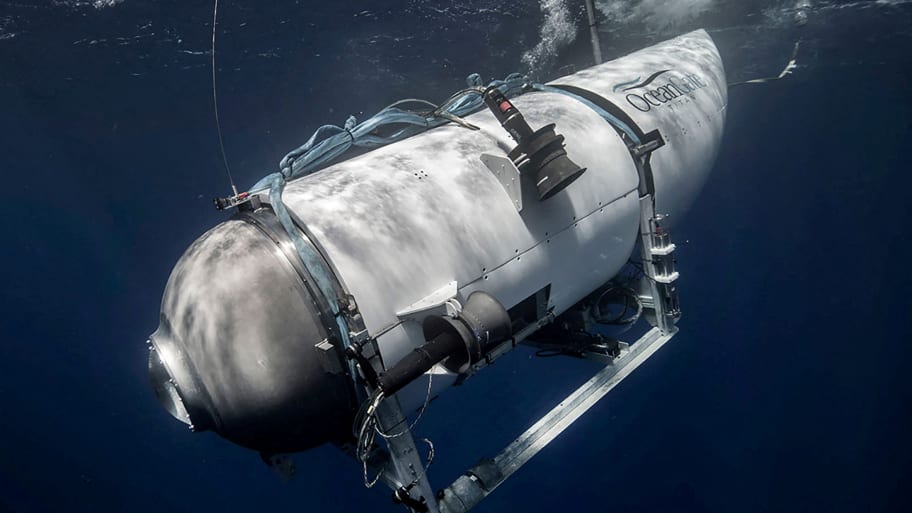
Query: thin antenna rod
x,y
218,125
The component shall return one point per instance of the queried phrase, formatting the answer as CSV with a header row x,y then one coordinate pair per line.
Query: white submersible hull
x,y
276,352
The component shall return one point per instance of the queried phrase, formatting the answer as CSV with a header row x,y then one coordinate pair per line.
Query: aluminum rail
x,y
478,482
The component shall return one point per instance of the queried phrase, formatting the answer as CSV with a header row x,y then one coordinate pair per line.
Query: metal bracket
x,y
329,357
243,201
507,174
440,301
659,291
647,147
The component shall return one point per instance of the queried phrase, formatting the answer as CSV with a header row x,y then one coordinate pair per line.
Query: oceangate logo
x,y
671,88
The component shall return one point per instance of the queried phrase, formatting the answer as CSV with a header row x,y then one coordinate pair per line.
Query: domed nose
x,y
235,351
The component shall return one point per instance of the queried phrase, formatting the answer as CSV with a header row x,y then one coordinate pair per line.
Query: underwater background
x,y
787,389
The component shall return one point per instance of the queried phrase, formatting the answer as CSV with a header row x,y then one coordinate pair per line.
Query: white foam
x,y
655,14
557,31
98,4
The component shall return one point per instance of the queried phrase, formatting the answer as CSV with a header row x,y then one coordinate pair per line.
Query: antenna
x,y
218,125
789,68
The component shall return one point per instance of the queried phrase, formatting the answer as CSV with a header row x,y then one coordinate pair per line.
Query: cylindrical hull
x,y
250,336
402,221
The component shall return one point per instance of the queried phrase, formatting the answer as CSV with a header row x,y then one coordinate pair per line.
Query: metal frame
x,y
342,327
404,467
404,470
471,488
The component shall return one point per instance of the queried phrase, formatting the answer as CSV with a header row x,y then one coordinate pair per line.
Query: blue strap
x,y
330,141
313,262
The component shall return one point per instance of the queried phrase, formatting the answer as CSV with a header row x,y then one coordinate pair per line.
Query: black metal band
x,y
652,139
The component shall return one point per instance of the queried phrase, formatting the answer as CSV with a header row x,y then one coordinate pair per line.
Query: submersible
x,y
402,271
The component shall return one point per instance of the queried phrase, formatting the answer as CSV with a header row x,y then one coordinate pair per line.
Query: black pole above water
x,y
593,32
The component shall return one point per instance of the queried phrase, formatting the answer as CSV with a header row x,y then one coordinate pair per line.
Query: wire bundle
x,y
391,124
367,426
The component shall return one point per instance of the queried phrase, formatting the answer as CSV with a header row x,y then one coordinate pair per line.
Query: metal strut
x,y
405,472
479,481
658,291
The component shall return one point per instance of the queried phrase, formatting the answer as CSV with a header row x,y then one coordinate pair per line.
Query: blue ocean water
x,y
786,390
